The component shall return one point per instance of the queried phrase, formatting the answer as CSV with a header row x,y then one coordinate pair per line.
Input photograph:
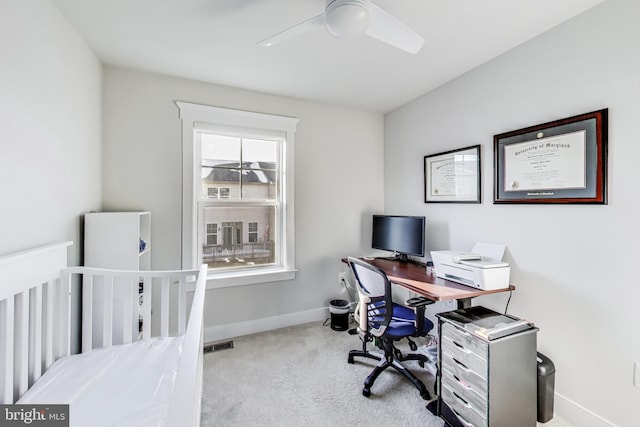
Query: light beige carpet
x,y
299,376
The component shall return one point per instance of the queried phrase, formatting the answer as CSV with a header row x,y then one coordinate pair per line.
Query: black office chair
x,y
385,322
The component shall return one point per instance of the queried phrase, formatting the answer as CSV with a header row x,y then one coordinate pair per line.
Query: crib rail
x,y
186,404
111,309
34,316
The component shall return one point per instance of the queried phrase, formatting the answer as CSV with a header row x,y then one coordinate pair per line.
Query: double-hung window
x,y
237,194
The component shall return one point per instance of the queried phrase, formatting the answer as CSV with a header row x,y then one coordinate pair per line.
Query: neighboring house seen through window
x,y
237,202
246,173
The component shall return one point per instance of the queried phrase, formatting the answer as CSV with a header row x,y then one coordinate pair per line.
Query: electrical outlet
x,y
636,374
342,278
450,303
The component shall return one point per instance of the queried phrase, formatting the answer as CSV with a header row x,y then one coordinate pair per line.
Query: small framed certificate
x,y
564,161
453,176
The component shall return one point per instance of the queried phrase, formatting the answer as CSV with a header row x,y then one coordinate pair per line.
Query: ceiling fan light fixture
x,y
347,19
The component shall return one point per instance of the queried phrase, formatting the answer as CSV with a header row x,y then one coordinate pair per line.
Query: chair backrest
x,y
374,291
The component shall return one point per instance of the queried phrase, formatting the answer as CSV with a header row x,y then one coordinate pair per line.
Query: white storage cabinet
x,y
117,240
112,240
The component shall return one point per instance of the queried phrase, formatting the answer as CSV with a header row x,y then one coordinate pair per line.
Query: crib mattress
x,y
124,385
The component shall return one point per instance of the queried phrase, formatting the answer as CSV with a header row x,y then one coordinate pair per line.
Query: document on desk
x,y
489,250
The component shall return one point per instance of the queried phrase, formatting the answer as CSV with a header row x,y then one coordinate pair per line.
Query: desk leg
x,y
464,303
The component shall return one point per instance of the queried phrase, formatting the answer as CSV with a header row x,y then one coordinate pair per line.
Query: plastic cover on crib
x,y
124,385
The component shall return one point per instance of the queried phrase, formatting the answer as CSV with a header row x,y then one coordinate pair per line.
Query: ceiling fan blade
x,y
296,30
389,29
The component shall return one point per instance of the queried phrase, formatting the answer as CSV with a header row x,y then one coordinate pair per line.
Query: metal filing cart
x,y
487,374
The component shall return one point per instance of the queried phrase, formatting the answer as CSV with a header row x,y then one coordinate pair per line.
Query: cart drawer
x,y
466,339
465,392
464,356
477,380
464,410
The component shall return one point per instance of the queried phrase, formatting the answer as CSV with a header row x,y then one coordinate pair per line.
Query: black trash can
x,y
339,310
546,379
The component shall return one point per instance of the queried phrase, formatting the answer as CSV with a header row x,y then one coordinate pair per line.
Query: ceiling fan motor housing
x,y
346,19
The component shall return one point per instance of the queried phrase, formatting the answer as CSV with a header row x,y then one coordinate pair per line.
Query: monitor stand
x,y
396,256
400,257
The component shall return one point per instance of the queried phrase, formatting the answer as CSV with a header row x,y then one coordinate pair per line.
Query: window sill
x,y
241,278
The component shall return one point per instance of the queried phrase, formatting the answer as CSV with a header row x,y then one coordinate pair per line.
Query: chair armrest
x,y
419,302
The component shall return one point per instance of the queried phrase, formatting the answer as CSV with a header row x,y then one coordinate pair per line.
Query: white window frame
x,y
197,116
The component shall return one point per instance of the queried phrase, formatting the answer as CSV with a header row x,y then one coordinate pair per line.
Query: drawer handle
x,y
462,365
462,400
461,347
462,383
464,422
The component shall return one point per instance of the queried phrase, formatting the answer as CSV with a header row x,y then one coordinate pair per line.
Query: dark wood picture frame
x,y
563,161
453,176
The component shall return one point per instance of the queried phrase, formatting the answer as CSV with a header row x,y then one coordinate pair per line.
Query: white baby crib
x,y
151,378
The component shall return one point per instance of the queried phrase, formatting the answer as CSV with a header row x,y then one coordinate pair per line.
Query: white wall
x,y
338,181
50,103
575,267
50,83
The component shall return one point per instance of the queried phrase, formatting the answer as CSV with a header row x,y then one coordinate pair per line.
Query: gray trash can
x,y
546,379
339,310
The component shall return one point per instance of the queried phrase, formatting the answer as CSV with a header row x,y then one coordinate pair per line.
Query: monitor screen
x,y
403,235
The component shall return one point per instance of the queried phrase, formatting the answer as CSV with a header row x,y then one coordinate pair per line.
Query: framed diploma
x,y
564,161
453,176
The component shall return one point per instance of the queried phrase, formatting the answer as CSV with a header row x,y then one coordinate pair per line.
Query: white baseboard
x,y
576,414
232,330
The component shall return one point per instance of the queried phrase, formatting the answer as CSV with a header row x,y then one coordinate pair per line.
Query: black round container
x,y
339,310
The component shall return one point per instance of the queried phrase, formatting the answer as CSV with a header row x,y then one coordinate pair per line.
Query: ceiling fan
x,y
346,19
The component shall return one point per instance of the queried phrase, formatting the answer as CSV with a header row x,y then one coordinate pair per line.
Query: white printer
x,y
482,268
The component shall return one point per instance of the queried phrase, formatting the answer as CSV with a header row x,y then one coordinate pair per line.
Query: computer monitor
x,y
402,235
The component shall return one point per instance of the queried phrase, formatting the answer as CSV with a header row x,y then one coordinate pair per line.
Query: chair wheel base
x,y
366,392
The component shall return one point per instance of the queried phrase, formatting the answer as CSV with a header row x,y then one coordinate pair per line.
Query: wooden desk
x,y
415,278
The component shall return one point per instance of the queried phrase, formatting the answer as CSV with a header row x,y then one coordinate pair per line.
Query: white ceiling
x,y
216,41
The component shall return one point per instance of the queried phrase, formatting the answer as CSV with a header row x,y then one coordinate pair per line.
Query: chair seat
x,y
408,329
403,323
400,312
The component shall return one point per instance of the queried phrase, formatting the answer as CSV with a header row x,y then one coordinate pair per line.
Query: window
x,y
216,192
212,233
253,232
237,199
